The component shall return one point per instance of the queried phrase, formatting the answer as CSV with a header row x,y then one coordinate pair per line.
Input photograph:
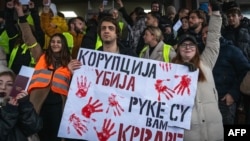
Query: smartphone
x,y
24,2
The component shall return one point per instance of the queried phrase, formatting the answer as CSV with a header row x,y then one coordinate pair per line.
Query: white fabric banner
x,y
117,97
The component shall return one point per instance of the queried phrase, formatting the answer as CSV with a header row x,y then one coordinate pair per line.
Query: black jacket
x,y
229,70
123,50
18,122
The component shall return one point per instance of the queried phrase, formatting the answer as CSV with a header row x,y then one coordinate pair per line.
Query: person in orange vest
x,y
49,85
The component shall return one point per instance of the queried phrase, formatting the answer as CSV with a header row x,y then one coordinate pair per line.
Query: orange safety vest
x,y
43,77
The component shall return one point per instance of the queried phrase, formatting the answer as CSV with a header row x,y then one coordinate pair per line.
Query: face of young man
x,y
150,20
194,21
108,32
155,7
234,19
79,26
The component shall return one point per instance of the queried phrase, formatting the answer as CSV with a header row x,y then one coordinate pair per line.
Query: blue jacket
x,y
230,68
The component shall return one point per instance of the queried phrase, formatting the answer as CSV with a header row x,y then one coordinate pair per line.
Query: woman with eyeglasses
x,y
206,119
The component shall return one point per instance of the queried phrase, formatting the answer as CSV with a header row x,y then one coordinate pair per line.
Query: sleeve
x,y
126,16
29,120
39,34
241,66
30,40
211,52
90,38
244,87
8,119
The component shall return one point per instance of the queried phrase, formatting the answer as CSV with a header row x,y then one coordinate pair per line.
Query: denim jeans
x,y
227,112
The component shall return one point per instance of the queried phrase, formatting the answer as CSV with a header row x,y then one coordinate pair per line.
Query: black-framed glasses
x,y
184,45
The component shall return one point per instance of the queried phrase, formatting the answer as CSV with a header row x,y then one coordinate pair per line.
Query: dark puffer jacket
x,y
229,70
17,123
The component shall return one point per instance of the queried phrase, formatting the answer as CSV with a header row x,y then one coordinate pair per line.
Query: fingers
x,y
21,95
13,102
74,64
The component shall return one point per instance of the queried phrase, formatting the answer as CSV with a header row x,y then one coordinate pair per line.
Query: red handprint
x,y
77,124
183,85
165,66
89,109
117,109
82,87
105,134
160,88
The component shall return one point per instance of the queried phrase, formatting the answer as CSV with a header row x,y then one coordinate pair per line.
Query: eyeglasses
x,y
184,45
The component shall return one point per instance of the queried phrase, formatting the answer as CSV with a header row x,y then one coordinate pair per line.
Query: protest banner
x,y
117,97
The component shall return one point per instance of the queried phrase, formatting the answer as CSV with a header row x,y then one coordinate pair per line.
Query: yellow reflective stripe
x,y
29,20
14,52
98,43
121,25
25,48
70,40
12,56
31,46
166,51
32,62
4,41
143,50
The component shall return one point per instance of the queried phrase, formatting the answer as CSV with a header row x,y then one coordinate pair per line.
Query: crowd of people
x,y
214,38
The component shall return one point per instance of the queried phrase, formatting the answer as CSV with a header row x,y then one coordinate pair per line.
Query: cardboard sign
x,y
117,97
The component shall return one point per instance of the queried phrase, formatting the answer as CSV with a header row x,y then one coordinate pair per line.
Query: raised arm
x,y
27,34
211,52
